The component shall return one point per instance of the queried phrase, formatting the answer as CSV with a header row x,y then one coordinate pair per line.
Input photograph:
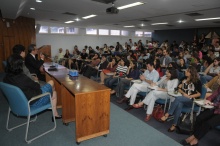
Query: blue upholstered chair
x,y
20,106
195,108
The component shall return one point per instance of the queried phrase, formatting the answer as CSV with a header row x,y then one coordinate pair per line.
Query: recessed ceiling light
x,y
130,26
77,19
90,16
180,21
32,8
207,19
130,5
38,1
142,25
162,23
69,21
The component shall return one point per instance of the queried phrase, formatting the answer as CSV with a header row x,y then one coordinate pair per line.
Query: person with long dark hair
x,y
16,77
166,84
189,88
132,74
207,120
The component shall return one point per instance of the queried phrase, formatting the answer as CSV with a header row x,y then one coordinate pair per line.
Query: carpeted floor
x,y
211,139
126,129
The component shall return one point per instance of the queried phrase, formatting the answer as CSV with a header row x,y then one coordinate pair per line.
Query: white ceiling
x,y
154,10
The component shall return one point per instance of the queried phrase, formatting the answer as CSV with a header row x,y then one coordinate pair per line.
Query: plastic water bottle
x,y
201,69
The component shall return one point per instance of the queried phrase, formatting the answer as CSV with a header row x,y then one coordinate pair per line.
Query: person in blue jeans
x,y
15,76
190,88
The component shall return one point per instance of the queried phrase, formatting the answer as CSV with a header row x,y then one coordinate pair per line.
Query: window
x,y
115,32
91,31
43,29
147,34
139,33
72,30
124,33
57,29
103,32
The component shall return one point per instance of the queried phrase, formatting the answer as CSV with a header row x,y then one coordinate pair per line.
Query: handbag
x,y
158,112
185,123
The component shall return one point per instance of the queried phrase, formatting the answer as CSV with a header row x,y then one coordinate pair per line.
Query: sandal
x,y
172,128
147,118
164,118
137,105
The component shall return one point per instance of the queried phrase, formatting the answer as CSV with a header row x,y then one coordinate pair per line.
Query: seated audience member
x,y
132,74
181,55
131,56
157,67
212,70
76,50
212,85
59,56
33,64
120,71
196,63
211,52
91,52
72,62
165,59
66,58
16,77
206,120
187,54
181,65
206,62
166,84
173,65
82,57
20,50
149,76
190,88
110,68
94,62
92,71
159,53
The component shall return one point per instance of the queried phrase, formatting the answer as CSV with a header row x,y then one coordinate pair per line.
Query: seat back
x,y
16,99
196,107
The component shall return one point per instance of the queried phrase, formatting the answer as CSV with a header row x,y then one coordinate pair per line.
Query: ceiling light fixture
x,y
142,25
90,16
69,21
162,23
180,21
204,19
32,8
38,1
130,5
77,19
130,26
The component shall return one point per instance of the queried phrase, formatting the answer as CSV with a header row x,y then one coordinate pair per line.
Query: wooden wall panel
x,y
21,31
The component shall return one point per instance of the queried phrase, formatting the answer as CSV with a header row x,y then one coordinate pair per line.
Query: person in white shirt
x,y
59,56
166,84
213,70
130,42
149,76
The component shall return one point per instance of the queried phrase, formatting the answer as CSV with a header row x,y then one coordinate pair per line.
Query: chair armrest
x,y
39,96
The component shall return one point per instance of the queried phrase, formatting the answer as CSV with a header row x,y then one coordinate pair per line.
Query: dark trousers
x,y
121,86
205,122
